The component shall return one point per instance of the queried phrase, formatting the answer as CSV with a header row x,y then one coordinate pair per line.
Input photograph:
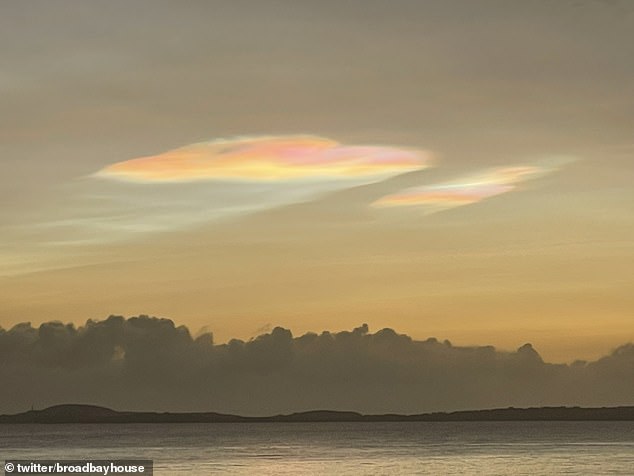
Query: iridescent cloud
x,y
268,158
217,180
469,189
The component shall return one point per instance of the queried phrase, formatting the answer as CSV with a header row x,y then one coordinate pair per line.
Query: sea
x,y
360,448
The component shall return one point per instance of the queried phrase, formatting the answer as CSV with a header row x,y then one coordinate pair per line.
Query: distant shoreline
x,y
72,413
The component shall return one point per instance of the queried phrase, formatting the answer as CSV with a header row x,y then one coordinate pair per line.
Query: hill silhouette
x,y
74,413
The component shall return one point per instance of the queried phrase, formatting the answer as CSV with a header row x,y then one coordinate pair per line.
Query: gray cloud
x,y
146,363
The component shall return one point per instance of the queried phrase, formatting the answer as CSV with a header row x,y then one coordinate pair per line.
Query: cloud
x,y
469,189
268,158
216,180
145,363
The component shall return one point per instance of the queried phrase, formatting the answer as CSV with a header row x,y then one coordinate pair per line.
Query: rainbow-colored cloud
x,y
467,190
266,159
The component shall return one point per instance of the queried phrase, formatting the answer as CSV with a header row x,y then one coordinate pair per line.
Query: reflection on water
x,y
488,448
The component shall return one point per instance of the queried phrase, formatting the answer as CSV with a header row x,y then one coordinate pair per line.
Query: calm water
x,y
532,448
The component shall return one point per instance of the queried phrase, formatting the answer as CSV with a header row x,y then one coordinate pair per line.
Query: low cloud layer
x,y
146,363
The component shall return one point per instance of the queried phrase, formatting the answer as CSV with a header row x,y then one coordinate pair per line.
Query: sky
x,y
453,169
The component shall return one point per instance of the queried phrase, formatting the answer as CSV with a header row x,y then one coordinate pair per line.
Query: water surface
x,y
438,448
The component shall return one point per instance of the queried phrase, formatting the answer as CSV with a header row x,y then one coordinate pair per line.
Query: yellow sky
x,y
460,170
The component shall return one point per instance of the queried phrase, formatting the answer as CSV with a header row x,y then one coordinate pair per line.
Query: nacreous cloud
x,y
219,179
470,189
268,158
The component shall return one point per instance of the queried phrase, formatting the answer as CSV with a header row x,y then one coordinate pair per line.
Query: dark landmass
x,y
95,414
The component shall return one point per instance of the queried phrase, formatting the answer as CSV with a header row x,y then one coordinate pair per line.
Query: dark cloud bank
x,y
146,363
